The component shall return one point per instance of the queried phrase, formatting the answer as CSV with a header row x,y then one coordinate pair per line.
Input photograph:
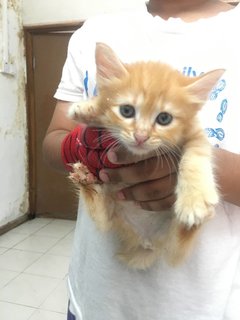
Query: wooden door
x,y
51,194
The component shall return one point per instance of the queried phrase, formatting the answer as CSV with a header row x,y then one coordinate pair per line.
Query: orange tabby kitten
x,y
149,107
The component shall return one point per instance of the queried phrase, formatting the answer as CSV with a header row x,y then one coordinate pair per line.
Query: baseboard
x,y
13,224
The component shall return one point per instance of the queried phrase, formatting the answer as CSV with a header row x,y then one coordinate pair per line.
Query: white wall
x,y
49,11
13,149
57,11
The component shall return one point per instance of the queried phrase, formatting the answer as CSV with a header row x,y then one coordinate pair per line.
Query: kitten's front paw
x,y
193,211
74,111
81,175
83,111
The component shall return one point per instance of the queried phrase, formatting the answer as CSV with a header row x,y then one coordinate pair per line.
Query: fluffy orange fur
x,y
150,108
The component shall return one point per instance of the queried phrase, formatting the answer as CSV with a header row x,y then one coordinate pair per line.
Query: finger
x,y
158,205
150,169
150,190
121,155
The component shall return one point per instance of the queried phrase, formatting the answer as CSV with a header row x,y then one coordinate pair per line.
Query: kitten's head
x,y
148,105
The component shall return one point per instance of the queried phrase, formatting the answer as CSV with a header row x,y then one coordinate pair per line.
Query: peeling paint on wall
x,y
13,126
1,35
15,5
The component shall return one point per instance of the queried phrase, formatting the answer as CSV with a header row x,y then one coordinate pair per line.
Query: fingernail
x,y
120,195
104,176
112,157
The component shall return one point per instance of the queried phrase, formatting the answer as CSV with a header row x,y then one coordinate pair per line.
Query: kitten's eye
x,y
127,111
164,118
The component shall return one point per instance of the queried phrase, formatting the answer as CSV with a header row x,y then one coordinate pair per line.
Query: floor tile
x,y
62,247
17,260
70,236
50,265
43,221
6,276
28,290
32,226
9,311
47,315
36,243
10,239
57,229
58,300
2,250
34,260
69,223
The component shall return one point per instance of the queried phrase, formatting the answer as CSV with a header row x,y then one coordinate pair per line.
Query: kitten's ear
x,y
109,66
202,86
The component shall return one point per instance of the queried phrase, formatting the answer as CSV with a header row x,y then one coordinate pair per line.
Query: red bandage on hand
x,y
89,146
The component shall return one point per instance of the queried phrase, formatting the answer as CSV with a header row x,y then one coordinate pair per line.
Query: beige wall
x,y
50,11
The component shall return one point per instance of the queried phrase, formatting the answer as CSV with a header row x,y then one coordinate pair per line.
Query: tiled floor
x,y
34,259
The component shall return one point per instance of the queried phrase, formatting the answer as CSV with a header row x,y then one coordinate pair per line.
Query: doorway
x,y
50,192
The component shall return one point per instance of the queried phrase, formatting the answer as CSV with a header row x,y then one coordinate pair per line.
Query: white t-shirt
x,y
207,285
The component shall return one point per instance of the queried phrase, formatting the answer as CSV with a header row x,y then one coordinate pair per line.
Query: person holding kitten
x,y
194,37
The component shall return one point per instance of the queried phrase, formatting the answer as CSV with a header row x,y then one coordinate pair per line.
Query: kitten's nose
x,y
141,137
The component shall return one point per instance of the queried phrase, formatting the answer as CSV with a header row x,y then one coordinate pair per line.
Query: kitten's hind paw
x,y
193,215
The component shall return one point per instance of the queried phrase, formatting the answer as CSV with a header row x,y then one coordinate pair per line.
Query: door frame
x,y
29,33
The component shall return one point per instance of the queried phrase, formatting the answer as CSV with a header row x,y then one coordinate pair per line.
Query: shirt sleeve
x,y
80,55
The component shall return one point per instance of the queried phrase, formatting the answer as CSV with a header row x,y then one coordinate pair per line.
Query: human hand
x,y
151,181
87,145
